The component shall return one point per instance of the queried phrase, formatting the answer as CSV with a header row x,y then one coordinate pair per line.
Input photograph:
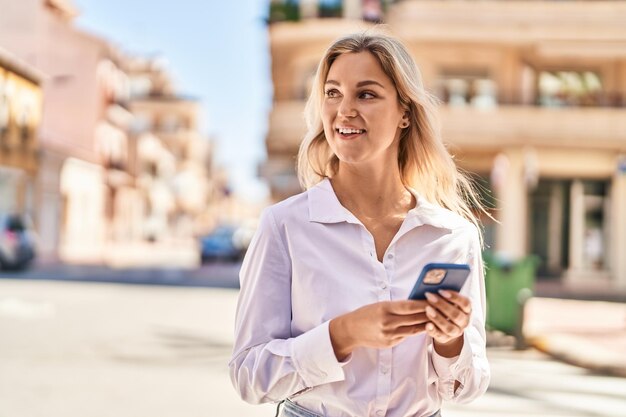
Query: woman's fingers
x,y
437,334
409,320
442,323
405,307
392,323
457,299
449,316
406,331
450,311
387,323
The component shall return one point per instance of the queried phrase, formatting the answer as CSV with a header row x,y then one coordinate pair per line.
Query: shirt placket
x,y
383,274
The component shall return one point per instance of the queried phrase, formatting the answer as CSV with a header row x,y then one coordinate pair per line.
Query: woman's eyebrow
x,y
359,84
369,82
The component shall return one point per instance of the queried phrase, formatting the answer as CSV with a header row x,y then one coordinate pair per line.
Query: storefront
x,y
82,212
20,113
565,207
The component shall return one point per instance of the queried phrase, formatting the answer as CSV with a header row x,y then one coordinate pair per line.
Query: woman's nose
x,y
347,108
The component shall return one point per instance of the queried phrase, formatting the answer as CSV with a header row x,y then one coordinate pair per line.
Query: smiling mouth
x,y
349,133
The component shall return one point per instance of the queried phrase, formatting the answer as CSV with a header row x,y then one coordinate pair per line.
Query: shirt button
x,y
383,285
380,412
384,371
390,256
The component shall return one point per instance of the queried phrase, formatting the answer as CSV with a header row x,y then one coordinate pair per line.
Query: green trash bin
x,y
509,284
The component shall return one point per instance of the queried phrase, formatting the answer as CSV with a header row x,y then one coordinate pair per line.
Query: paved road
x,y
71,349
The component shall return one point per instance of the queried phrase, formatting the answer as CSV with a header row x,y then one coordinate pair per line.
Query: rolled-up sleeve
x,y
268,362
471,367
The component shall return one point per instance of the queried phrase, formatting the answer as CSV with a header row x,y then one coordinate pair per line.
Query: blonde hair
x,y
424,162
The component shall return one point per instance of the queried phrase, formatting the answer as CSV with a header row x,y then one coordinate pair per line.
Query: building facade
x,y
533,104
106,183
20,117
70,185
173,160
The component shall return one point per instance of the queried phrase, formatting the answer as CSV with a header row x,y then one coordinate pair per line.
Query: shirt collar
x,y
324,207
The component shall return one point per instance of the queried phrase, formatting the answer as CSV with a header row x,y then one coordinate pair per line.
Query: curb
x,y
580,352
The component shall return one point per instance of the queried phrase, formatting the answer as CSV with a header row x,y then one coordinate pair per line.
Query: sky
x,y
217,51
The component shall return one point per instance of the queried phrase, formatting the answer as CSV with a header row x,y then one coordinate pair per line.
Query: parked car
x,y
219,244
17,242
228,242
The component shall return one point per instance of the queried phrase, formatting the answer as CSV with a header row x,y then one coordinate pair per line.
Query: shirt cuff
x,y
444,365
452,368
314,357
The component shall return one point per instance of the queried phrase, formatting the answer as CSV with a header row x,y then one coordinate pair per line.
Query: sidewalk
x,y
170,253
181,253
589,334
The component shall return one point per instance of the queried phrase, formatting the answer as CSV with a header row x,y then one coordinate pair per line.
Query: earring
x,y
404,125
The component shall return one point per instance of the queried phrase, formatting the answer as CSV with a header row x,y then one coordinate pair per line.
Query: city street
x,y
138,139
73,349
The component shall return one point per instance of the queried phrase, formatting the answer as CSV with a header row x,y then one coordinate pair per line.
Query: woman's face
x,y
361,113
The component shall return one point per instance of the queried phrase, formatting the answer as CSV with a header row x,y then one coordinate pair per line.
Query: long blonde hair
x,y
424,162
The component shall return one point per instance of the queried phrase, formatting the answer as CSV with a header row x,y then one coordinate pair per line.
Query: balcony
x,y
511,125
550,24
294,11
495,128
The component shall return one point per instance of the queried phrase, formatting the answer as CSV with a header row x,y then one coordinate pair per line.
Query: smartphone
x,y
439,276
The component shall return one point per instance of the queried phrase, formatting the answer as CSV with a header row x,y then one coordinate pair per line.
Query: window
x,y
141,123
140,86
24,115
4,107
467,88
330,8
570,88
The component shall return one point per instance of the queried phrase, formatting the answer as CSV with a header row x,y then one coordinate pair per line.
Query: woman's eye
x,y
367,95
331,93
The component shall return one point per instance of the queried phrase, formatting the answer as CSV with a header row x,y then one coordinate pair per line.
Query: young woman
x,y
323,320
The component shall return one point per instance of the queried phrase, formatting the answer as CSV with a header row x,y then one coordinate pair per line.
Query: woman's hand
x,y
379,325
449,314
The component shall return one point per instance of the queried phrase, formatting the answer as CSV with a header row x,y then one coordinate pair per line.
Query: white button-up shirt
x,y
312,260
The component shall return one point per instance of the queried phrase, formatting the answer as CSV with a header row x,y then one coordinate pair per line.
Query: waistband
x,y
291,409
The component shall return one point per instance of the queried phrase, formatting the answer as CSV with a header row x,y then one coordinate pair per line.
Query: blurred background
x,y
139,142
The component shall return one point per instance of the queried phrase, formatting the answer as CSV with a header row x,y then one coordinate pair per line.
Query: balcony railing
x,y
565,99
586,127
290,10
490,127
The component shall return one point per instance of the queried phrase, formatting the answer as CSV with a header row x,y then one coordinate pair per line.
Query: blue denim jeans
x,y
291,409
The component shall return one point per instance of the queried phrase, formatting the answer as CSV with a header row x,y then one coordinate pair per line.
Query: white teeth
x,y
350,131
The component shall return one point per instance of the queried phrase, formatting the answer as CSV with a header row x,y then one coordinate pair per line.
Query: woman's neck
x,y
372,194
